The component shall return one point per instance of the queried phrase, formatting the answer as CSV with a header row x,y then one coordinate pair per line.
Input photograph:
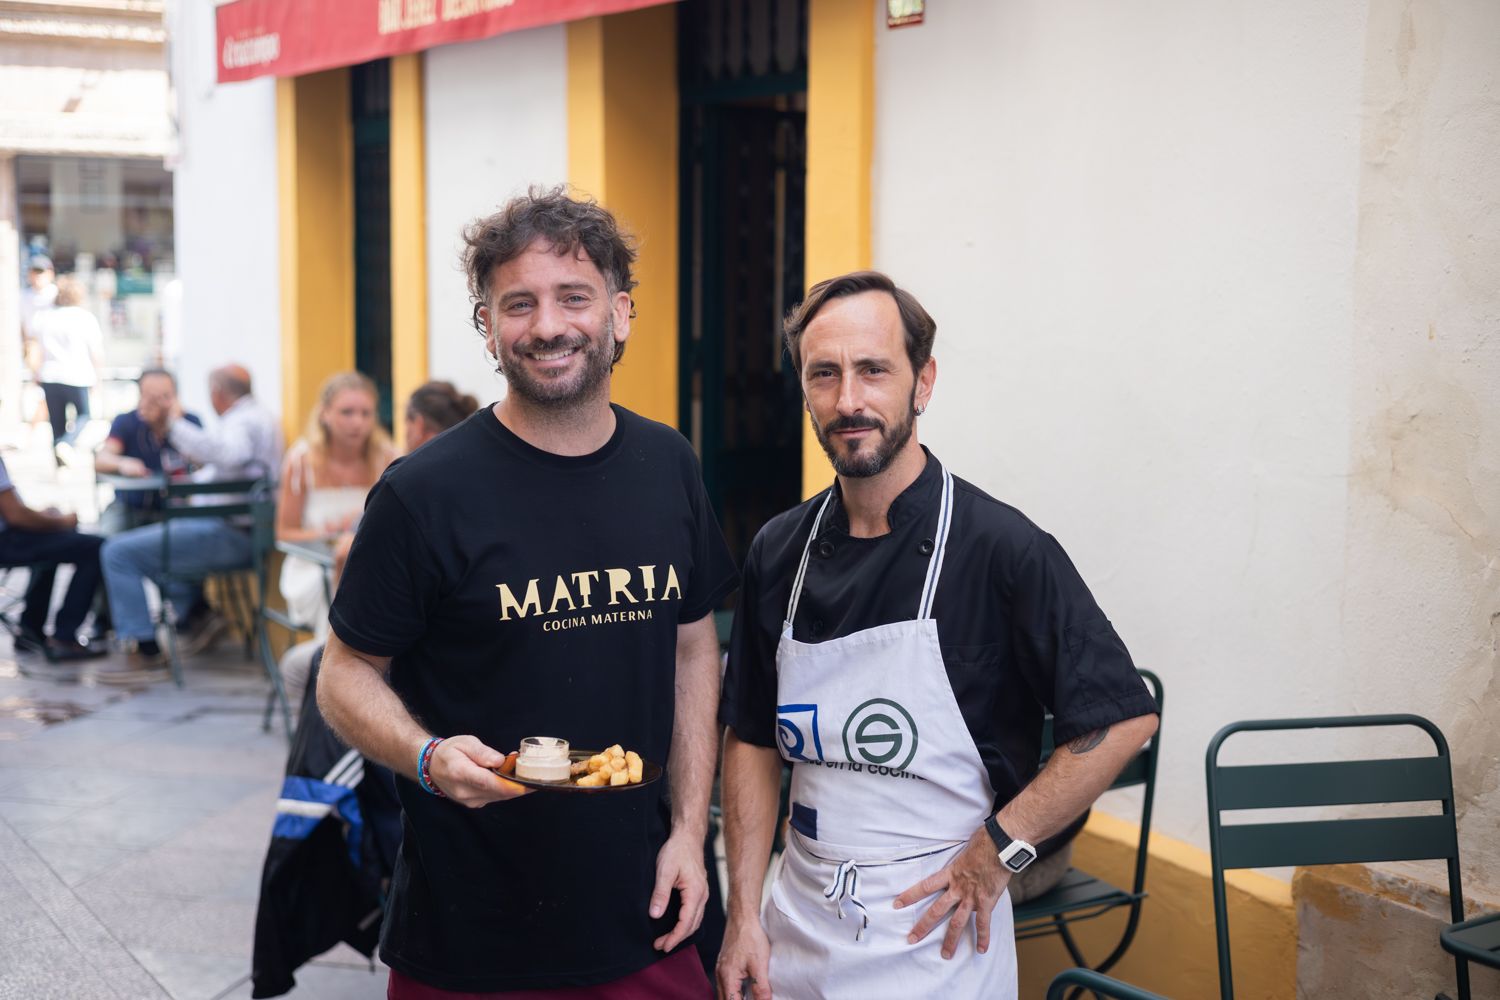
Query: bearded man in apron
x,y
898,639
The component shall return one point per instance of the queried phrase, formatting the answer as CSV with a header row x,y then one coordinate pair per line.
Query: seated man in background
x,y
244,444
137,447
42,540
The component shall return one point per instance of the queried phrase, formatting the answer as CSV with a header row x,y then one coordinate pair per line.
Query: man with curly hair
x,y
547,567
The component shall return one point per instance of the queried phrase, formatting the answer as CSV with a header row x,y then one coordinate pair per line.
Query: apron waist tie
x,y
845,886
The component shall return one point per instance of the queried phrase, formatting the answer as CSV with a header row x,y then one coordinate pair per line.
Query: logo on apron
x,y
794,723
881,732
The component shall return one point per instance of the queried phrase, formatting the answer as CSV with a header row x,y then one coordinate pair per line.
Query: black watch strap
x,y
1000,837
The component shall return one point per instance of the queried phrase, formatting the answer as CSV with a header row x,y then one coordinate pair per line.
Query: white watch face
x,y
1018,855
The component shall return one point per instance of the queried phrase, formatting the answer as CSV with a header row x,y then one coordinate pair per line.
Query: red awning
x,y
291,37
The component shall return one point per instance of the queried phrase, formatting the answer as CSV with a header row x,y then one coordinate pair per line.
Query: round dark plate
x,y
649,773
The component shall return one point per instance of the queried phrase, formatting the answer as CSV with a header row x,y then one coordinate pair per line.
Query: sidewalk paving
x,y
133,826
134,821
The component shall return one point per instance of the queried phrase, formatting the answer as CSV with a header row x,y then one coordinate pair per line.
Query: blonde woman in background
x,y
433,408
324,480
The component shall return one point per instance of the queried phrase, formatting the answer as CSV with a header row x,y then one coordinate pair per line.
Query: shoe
x,y
70,650
29,641
202,635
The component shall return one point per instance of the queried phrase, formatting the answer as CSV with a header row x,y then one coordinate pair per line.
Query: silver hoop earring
x,y
921,410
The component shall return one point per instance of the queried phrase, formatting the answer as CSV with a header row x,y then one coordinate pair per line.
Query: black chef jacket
x,y
1019,630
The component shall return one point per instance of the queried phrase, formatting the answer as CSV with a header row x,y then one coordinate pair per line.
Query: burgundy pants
x,y
679,976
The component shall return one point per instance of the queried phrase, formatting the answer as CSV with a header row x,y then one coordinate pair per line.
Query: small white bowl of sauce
x,y
543,758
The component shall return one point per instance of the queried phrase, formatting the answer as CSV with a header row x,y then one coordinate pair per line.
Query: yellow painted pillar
x,y
408,236
840,144
586,106
314,158
622,149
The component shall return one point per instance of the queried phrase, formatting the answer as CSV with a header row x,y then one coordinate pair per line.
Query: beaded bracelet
x,y
424,767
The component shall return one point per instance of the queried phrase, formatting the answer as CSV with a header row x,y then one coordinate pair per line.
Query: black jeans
x,y
43,551
59,398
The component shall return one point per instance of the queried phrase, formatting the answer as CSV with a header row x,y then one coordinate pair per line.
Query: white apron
x,y
885,770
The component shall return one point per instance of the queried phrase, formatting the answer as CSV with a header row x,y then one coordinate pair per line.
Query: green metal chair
x,y
263,540
1476,940
184,501
1330,841
723,625
1080,896
1099,984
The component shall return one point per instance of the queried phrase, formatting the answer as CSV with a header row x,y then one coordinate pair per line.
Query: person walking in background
x,y
244,444
137,447
66,352
40,293
323,485
43,540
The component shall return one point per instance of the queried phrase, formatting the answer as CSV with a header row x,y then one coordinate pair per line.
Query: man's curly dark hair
x,y
564,222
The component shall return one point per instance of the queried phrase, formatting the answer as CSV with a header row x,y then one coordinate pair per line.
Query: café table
x,y
131,484
319,552
316,551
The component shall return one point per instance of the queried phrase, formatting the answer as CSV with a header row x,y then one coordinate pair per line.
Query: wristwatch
x,y
1014,854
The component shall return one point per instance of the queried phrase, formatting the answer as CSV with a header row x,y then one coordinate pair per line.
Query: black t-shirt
x,y
523,593
1018,628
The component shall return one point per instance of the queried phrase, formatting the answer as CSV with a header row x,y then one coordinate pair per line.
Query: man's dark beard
x,y
867,461
598,359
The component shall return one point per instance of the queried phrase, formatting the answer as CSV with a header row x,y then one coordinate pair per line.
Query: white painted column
x,y
496,122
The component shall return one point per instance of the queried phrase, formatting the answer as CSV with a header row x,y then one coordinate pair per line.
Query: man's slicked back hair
x,y
920,328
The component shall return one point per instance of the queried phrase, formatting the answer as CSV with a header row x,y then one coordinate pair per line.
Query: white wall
x,y
226,223
1183,258
496,119
1421,601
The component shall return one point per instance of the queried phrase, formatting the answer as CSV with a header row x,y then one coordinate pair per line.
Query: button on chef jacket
x,y
1020,632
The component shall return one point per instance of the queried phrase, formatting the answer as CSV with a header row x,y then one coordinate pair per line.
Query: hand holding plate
x,y
466,771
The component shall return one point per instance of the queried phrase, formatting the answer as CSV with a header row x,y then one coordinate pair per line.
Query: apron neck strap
x,y
791,608
939,547
934,562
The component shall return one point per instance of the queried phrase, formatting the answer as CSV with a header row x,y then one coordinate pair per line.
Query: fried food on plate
x,y
612,767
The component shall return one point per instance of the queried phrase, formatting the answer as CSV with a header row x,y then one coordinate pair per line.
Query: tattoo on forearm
x,y
1088,741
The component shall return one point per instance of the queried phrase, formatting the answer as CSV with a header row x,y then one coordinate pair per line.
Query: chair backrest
x,y
227,498
723,625
1097,983
1140,771
263,516
1328,783
185,499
